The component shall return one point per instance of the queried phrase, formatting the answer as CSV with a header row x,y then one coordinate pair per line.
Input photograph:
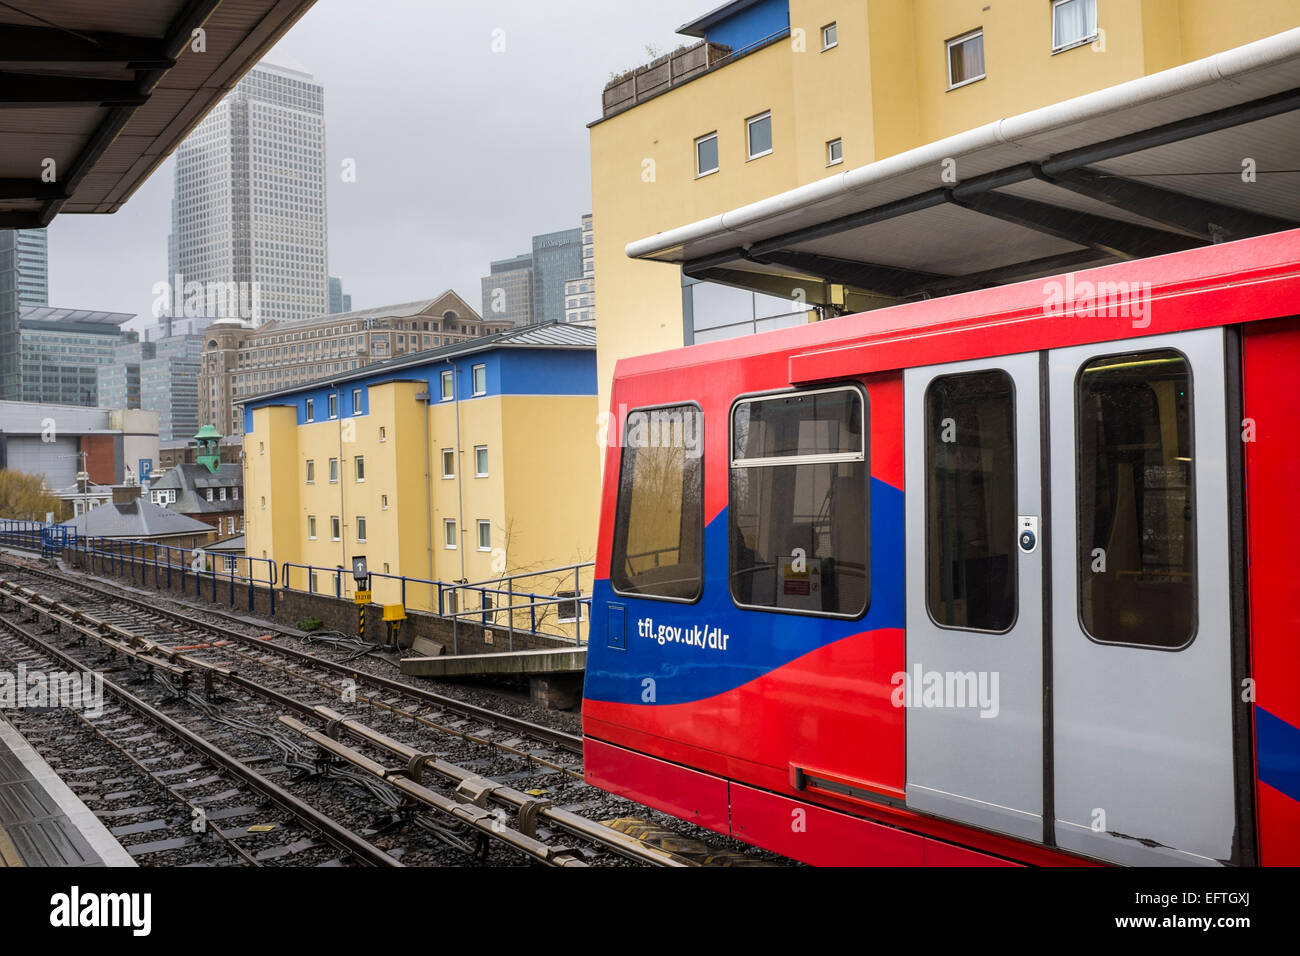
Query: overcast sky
x,y
462,153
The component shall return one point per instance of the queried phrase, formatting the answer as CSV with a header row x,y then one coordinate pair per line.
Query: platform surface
x,y
550,660
42,822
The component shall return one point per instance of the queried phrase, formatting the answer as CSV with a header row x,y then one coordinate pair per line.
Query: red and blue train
x,y
1005,577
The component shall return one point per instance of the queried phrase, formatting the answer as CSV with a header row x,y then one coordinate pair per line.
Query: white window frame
x,y
361,528
1082,41
484,522
448,375
234,493
311,471
477,472
359,468
383,433
207,493
332,403
580,608
334,471
311,527
947,57
232,562
310,412
473,378
831,160
701,173
834,43
749,126
383,502
336,528
442,456
449,534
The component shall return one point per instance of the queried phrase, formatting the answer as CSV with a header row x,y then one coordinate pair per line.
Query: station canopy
x,y
94,94
1202,153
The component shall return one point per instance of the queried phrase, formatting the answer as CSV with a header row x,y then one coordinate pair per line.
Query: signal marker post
x,y
362,596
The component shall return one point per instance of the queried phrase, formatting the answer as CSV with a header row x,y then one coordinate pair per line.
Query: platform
x,y
550,660
42,822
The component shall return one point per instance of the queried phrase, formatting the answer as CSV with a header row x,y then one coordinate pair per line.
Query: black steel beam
x,y
1003,275
1204,218
11,189
21,220
194,14
869,277
767,283
43,90
41,44
1111,236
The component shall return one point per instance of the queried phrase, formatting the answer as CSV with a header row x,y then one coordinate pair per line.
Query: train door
x,y
1140,600
973,686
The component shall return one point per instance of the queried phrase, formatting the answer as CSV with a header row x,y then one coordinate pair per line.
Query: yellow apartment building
x,y
777,94
468,463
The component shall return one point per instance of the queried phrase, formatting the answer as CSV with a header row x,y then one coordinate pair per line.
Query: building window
x,y
356,401
221,494
361,528
706,155
659,532
1074,22
567,612
448,463
234,494
263,502
334,470
383,433
798,503
479,374
758,133
970,501
966,59
311,471
232,563
449,533
312,584
830,36
484,535
311,410
334,404
1136,500
448,385
383,502
360,464
207,493
311,527
834,152
335,528
480,461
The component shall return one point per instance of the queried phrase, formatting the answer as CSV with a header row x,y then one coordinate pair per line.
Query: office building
x,y
339,302
33,268
508,291
62,351
169,387
238,361
58,441
557,257
119,381
248,213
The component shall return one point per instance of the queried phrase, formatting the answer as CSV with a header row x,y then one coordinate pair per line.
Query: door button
x,y
1028,533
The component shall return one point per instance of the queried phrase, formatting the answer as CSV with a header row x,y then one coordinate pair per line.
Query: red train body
x,y
1002,577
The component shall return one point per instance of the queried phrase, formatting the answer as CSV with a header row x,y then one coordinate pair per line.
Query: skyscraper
x,y
508,291
340,302
557,257
33,269
10,337
249,202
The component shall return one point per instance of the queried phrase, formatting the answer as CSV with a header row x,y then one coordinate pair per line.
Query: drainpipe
x,y
460,501
427,398
343,523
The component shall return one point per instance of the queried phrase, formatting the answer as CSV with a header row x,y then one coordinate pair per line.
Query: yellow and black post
x,y
362,596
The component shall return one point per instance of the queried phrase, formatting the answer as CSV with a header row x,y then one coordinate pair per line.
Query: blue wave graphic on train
x,y
688,668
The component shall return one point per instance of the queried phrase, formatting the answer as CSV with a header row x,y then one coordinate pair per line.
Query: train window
x,y
1137,547
659,530
799,528
970,501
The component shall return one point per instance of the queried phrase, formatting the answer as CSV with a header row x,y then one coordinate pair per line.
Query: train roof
x,y
1247,280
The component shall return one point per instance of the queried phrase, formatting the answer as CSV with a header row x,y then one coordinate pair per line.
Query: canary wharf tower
x,y
249,202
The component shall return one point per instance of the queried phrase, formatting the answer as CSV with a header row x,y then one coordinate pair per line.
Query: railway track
x,y
341,752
